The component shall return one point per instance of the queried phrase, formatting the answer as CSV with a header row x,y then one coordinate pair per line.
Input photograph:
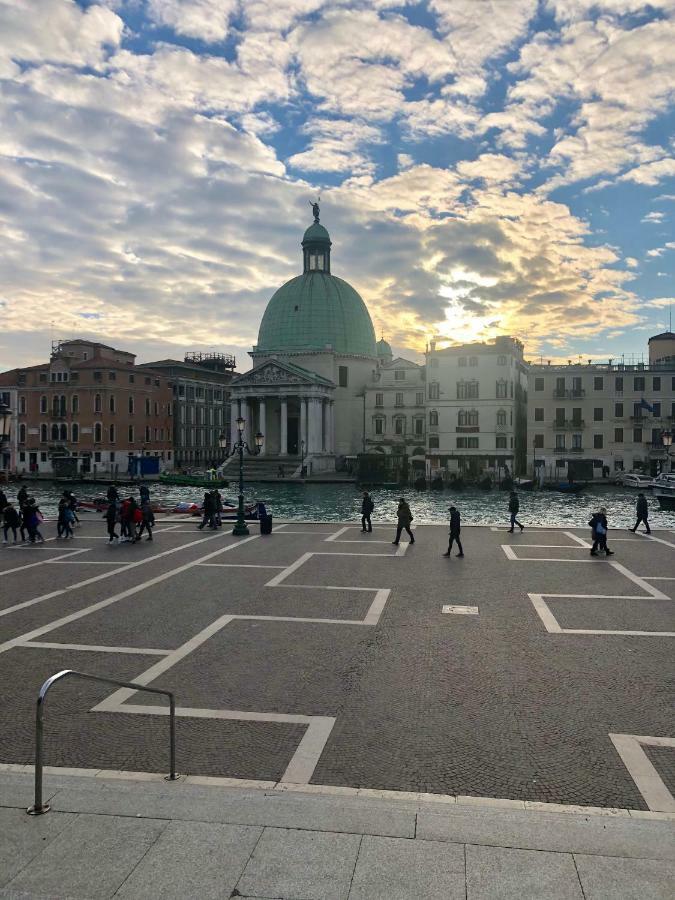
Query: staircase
x,y
261,468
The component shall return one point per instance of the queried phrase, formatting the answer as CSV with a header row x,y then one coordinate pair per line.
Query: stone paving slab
x,y
496,873
607,878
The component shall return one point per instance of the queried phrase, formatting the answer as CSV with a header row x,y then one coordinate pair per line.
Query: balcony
x,y
561,450
568,394
467,429
568,424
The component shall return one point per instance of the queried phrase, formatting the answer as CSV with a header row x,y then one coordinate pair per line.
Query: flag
x,y
645,405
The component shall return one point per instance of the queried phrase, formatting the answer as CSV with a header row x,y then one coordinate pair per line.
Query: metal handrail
x,y
38,808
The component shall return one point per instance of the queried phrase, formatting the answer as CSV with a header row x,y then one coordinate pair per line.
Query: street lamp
x,y
667,440
240,527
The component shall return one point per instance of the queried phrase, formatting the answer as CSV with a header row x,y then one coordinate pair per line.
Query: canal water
x,y
342,502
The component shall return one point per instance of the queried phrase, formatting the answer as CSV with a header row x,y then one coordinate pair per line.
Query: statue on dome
x,y
315,209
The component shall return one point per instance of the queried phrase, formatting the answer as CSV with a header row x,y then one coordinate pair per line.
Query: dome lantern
x,y
316,244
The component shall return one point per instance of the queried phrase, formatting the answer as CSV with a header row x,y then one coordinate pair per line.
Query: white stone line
x,y
78,562
373,615
617,631
336,534
304,619
40,563
193,712
509,552
95,648
543,611
237,566
26,545
102,604
95,578
658,577
647,780
577,539
328,587
277,580
651,537
553,627
304,761
460,610
646,587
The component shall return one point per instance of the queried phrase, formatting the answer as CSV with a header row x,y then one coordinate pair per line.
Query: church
x,y
315,356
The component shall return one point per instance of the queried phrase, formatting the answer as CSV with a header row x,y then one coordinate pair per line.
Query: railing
x,y
38,807
565,424
567,394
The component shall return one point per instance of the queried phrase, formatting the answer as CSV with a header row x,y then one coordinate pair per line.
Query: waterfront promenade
x,y
528,676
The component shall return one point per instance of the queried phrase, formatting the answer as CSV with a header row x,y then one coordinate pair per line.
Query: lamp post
x,y
667,439
240,527
222,443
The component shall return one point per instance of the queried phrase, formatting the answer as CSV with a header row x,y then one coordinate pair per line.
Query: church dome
x,y
384,351
317,310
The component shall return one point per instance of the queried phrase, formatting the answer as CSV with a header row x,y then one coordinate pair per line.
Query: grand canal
x,y
342,502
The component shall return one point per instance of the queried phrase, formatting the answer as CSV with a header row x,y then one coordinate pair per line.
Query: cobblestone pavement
x,y
321,655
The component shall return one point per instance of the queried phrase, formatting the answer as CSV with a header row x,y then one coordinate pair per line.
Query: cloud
x,y
653,218
205,19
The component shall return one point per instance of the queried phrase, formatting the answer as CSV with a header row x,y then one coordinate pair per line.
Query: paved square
x,y
320,655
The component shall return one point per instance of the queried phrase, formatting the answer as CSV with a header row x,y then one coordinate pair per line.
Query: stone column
x,y
330,437
262,422
234,413
283,427
303,425
315,425
324,425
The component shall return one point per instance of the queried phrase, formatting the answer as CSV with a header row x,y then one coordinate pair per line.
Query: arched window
x,y
43,403
22,433
22,406
461,418
63,405
111,432
500,442
44,433
433,417
55,432
75,404
156,408
131,434
147,406
433,442
55,405
75,432
472,417
111,403
131,404
501,418
98,432
97,403
379,425
399,425
63,432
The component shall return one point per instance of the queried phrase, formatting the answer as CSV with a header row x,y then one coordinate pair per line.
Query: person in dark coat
x,y
144,493
514,506
599,529
642,510
22,496
112,494
405,517
3,500
209,511
148,519
111,518
367,506
455,528
10,521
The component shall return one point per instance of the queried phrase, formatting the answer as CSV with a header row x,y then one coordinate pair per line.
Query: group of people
x,y
67,516
212,509
25,518
133,516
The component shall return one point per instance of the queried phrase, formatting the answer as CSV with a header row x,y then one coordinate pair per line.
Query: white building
x,y
476,407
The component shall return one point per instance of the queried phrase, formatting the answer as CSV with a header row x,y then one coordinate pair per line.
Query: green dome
x,y
314,311
316,232
384,349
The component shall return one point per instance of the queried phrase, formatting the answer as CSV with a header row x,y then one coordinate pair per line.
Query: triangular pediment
x,y
279,373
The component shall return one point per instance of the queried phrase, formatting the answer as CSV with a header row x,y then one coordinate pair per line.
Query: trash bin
x,y
266,525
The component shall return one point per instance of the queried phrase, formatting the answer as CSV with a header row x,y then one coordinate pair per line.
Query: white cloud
x,y
654,218
205,19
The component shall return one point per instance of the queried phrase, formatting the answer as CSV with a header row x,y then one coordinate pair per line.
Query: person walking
x,y
599,529
61,518
68,522
10,521
71,500
514,507
209,510
3,500
144,494
22,496
367,506
148,519
455,528
112,493
405,517
24,515
642,510
111,519
33,521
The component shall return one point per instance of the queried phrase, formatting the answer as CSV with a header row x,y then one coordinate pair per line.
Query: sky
x,y
485,167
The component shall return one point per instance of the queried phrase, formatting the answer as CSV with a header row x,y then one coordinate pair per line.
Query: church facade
x,y
316,353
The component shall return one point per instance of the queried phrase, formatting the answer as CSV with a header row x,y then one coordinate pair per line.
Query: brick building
x,y
90,408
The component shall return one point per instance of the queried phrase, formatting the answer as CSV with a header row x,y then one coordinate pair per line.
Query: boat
x,y
565,487
192,480
523,484
666,500
180,508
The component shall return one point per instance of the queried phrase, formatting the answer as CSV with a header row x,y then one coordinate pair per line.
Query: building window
x,y
434,390
598,414
43,456
618,384
97,456
501,418
467,390
637,435
618,410
539,441
55,432
156,408
637,410
656,384
399,374
473,360
399,425
98,433
433,417
598,383
379,425
147,434
656,409
462,361
44,433
399,398
111,403
500,442
501,360
43,376
618,435
22,406
43,404
501,389
112,376
419,426
576,442
63,432
131,404
75,404
597,442
147,406
538,414
638,384
419,398
97,403
111,433
379,399
132,378
539,384
75,432
560,442
343,376
433,442
467,417
130,435
22,433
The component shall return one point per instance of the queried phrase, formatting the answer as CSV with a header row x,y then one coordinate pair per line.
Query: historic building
x,y
201,405
476,407
314,357
90,408
395,406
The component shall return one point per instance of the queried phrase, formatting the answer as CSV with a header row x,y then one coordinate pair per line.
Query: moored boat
x,y
192,480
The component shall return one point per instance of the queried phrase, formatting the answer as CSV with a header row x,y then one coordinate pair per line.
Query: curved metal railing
x,y
38,807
